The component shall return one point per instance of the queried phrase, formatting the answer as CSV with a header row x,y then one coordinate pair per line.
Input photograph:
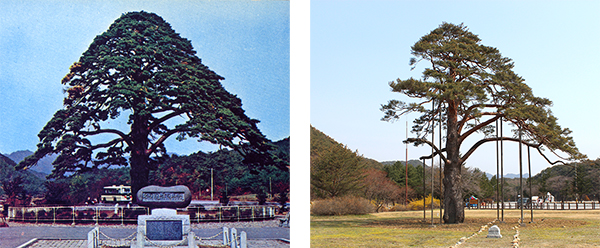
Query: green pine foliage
x,y
467,88
142,69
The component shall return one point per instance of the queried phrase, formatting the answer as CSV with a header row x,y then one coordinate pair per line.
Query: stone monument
x,y
164,227
494,232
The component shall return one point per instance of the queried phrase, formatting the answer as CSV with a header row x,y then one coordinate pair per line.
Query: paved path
x,y
17,235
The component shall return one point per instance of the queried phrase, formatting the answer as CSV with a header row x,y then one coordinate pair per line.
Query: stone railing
x,y
128,215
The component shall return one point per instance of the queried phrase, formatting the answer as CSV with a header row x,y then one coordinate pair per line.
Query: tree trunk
x,y
453,202
139,158
139,173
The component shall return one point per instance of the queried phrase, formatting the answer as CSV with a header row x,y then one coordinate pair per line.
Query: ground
x,y
551,228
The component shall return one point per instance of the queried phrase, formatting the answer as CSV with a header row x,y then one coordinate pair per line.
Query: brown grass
x,y
401,229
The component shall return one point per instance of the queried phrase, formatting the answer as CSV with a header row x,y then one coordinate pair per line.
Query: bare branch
x,y
475,128
483,141
437,150
123,136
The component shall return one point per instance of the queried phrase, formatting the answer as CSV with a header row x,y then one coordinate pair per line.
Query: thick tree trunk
x,y
139,158
139,173
453,202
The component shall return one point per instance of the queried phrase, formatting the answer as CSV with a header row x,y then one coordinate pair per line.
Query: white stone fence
x,y
128,215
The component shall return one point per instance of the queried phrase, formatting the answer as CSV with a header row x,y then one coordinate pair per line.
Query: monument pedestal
x,y
164,227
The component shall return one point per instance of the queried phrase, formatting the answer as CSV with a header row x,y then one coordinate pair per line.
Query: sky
x,y
358,47
246,42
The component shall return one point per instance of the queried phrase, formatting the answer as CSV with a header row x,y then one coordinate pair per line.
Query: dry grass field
x,y
554,228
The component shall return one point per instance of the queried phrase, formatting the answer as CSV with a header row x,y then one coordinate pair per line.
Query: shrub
x,y
417,204
347,205
400,207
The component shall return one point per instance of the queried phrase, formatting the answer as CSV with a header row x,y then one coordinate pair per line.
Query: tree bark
x,y
140,169
454,211
139,174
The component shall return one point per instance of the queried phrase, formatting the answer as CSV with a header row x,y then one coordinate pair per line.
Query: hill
x,y
43,167
32,183
319,141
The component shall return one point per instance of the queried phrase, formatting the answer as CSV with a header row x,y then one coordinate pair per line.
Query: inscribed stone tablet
x,y
494,232
164,197
164,229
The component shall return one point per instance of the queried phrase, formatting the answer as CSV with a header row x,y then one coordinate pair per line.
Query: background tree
x,y
380,189
336,172
471,86
396,172
142,68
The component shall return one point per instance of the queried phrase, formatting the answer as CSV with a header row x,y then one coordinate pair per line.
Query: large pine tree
x,y
142,68
471,86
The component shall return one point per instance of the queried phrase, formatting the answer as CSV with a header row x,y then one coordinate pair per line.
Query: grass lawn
x,y
554,228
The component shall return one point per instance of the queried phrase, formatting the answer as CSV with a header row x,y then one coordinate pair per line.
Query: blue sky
x,y
357,47
246,42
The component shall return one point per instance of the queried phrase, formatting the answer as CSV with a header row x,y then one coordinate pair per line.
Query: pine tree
x,y
471,86
142,68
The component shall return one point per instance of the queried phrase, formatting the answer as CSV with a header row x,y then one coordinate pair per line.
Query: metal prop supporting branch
x,y
530,192
440,158
502,167
424,214
497,176
432,156
521,176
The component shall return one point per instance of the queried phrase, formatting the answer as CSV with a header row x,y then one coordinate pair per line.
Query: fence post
x,y
93,238
225,236
233,238
243,240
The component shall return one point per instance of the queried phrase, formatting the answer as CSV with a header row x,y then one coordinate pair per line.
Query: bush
x,y
417,204
400,207
348,205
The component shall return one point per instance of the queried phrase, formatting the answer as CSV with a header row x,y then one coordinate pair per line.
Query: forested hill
x,y
565,182
571,180
319,142
32,183
43,167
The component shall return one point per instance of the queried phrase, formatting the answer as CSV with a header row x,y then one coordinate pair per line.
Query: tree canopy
x,y
470,86
142,68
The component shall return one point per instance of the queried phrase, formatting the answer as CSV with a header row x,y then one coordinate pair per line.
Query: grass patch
x,y
408,229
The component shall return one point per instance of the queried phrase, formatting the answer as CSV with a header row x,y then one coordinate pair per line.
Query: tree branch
x,y
483,141
164,118
123,136
470,117
475,128
437,150
162,139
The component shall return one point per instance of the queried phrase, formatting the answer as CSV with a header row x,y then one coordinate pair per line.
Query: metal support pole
x,y
406,169
440,159
497,176
424,173
530,191
502,167
432,156
521,174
